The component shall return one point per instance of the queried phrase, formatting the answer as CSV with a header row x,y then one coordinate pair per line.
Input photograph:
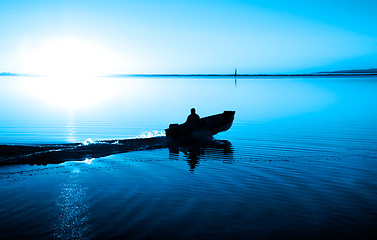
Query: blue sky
x,y
187,36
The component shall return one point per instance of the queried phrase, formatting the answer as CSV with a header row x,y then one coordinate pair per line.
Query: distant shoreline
x,y
246,75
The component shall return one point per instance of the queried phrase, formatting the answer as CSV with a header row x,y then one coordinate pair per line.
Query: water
x,y
300,161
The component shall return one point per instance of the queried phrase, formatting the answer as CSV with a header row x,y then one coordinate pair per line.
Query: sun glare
x,y
68,93
68,57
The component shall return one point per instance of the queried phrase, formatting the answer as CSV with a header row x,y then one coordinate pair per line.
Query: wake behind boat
x,y
203,129
58,153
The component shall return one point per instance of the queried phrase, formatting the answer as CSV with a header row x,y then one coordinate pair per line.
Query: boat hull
x,y
207,127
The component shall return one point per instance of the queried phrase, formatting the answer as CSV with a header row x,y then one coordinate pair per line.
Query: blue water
x,y
301,164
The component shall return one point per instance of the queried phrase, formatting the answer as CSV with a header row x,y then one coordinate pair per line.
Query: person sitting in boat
x,y
193,119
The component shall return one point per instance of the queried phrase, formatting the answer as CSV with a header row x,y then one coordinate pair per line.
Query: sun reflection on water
x,y
73,210
71,129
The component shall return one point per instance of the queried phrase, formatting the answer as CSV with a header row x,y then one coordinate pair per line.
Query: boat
x,y
205,129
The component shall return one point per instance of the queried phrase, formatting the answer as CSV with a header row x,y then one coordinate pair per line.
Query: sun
x,y
67,72
68,56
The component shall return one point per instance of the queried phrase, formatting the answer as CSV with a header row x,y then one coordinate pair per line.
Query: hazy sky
x,y
192,36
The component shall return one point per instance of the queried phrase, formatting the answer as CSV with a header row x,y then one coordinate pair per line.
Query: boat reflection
x,y
218,150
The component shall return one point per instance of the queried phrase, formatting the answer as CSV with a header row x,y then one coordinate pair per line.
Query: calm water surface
x,y
300,163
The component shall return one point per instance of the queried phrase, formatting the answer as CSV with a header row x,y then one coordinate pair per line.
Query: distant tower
x,y
235,72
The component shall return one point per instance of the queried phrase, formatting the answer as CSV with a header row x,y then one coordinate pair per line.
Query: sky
x,y
145,37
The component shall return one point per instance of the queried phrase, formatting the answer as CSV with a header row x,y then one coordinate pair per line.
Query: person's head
x,y
192,110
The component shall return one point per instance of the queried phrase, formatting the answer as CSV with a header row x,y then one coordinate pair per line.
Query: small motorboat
x,y
205,129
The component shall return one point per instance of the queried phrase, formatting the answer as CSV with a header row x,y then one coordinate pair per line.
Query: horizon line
x,y
316,74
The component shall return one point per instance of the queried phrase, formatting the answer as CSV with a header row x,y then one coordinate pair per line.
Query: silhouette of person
x,y
193,119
